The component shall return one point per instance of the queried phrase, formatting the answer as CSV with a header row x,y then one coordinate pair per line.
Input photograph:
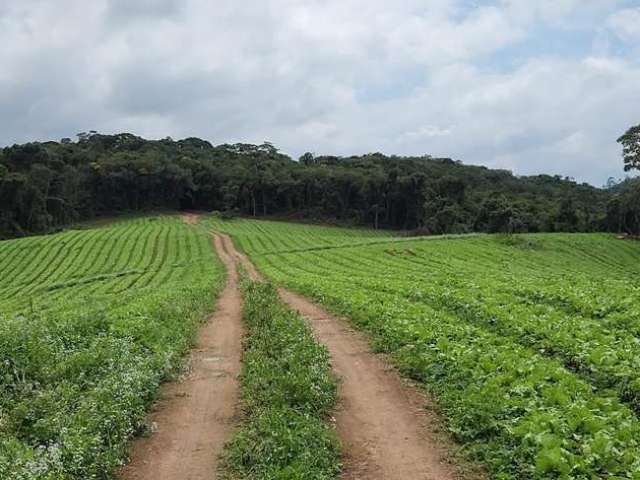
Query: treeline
x,y
45,186
623,208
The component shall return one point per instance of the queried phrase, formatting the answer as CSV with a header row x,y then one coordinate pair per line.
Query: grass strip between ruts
x,y
288,393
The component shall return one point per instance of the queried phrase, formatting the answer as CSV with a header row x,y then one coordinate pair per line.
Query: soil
x,y
230,249
194,417
190,218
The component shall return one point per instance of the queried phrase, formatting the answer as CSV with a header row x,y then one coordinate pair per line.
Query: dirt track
x,y
229,249
385,431
381,421
194,417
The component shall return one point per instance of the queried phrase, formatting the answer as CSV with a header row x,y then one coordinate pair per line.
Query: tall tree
x,y
631,148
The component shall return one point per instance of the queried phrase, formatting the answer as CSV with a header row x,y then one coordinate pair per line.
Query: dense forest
x,y
45,186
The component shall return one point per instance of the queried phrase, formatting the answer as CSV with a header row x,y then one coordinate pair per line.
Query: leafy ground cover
x,y
288,392
91,321
530,342
265,236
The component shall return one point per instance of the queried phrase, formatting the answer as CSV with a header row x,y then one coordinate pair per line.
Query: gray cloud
x,y
125,11
342,77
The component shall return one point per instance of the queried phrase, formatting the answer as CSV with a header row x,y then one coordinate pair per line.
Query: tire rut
x,y
381,421
385,430
193,418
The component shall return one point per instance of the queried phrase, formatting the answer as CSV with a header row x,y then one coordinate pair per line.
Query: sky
x,y
532,86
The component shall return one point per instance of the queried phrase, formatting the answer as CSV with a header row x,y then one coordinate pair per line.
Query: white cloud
x,y
626,24
428,131
552,11
334,76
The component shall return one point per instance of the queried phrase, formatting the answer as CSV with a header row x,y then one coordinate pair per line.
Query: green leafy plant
x,y
532,353
91,323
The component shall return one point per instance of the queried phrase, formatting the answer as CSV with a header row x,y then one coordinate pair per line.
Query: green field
x,y
91,321
259,237
530,343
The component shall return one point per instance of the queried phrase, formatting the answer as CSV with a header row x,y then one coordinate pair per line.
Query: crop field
x,y
530,343
262,236
91,321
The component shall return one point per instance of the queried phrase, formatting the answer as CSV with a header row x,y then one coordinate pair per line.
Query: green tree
x,y
307,159
631,148
47,185
499,215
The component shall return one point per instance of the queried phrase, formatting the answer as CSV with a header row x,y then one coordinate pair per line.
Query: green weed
x,y
288,392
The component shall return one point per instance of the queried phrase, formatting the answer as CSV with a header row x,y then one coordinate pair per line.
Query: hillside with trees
x,y
46,186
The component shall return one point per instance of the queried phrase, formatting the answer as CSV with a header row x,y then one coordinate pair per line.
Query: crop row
x,y
603,348
79,375
97,263
261,236
525,414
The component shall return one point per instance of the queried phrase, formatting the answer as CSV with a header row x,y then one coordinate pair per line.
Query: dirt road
x,y
385,431
194,417
229,249
381,421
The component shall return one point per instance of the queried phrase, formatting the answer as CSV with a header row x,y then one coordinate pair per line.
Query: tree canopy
x,y
631,148
47,185
623,209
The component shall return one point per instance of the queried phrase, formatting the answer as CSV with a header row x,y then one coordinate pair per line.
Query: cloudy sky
x,y
530,86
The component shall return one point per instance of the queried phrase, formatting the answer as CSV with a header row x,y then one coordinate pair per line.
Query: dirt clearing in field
x,y
190,218
194,417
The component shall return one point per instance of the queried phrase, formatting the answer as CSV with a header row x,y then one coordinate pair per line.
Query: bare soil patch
x,y
190,218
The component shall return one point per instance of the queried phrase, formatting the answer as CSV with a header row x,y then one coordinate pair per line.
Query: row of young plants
x,y
574,281
498,328
97,265
79,376
601,344
522,414
288,393
608,356
519,409
606,351
263,236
